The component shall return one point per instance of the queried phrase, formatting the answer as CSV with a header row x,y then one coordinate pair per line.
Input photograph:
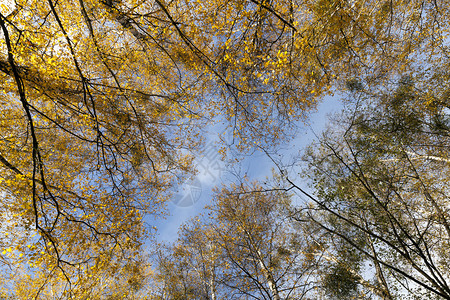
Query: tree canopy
x,y
103,102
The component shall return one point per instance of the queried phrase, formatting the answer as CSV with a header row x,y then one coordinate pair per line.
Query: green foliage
x,y
339,283
380,179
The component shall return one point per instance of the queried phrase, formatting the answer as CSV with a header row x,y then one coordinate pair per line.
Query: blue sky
x,y
197,194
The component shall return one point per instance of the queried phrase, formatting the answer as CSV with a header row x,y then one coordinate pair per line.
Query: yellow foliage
x,y
98,98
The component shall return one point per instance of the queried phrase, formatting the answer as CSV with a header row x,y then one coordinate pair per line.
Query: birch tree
x,y
245,250
380,179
